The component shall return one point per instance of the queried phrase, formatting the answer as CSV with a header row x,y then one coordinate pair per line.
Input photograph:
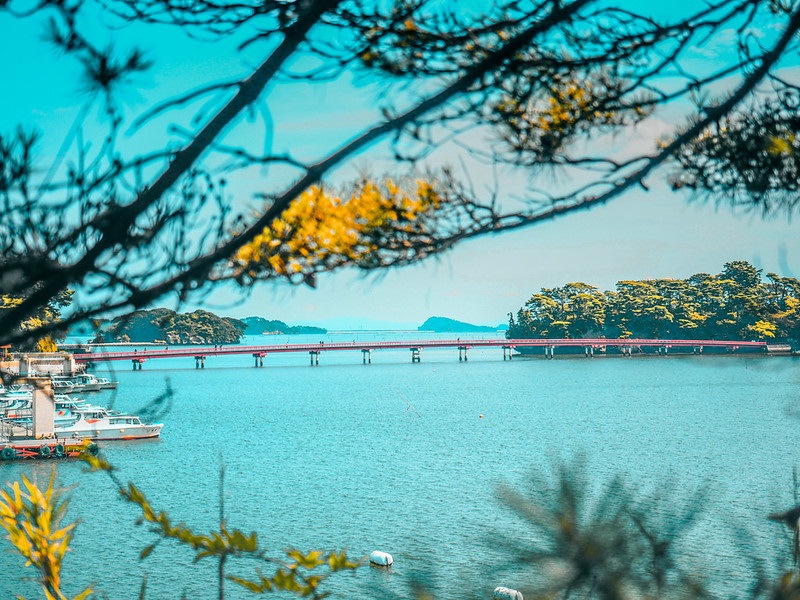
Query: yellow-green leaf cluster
x,y
763,329
320,230
291,575
32,518
46,315
545,123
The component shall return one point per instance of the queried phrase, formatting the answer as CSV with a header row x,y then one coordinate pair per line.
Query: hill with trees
x,y
735,304
198,327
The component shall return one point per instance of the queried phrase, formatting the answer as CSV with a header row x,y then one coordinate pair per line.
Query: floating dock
x,y
44,449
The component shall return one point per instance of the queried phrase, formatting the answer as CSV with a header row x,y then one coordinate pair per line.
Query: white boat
x,y
106,383
90,383
18,387
14,404
62,386
85,383
98,423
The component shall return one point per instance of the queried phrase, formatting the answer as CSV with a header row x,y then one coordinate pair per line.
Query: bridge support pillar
x,y
589,351
697,350
366,356
200,362
137,363
415,354
507,351
314,357
549,352
464,349
258,359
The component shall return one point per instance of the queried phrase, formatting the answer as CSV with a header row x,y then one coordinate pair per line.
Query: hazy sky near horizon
x,y
642,234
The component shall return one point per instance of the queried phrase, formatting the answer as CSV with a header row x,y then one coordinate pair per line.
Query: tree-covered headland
x,y
736,304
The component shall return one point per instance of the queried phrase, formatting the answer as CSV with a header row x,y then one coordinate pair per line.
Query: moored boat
x,y
77,419
98,423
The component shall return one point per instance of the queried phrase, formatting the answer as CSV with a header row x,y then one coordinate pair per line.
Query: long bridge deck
x,y
550,346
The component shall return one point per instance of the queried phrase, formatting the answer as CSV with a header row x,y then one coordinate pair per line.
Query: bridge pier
x,y
508,350
258,357
314,357
589,351
549,352
464,348
200,362
137,363
697,350
415,354
366,356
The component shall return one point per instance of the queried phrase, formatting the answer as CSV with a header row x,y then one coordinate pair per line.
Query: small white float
x,y
504,593
380,559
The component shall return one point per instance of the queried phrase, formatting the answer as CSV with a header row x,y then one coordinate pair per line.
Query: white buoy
x,y
380,559
504,593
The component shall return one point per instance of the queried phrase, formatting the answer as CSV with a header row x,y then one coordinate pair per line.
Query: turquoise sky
x,y
640,235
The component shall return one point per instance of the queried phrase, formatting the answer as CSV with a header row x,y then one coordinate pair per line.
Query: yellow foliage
x,y
32,518
569,105
764,329
9,301
780,145
320,230
47,344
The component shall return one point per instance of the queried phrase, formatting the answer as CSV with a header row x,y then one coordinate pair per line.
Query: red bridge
x,y
549,346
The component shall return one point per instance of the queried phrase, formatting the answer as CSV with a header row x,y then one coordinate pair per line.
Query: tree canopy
x,y
733,305
47,316
529,89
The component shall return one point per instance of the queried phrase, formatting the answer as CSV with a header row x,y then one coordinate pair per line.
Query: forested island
x,y
163,324
198,327
736,304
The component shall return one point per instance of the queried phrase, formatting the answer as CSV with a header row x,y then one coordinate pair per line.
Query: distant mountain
x,y
260,325
445,325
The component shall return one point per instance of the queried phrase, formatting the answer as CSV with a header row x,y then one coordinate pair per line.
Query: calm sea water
x,y
395,456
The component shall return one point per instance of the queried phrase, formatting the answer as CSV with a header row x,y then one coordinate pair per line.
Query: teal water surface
x,y
406,458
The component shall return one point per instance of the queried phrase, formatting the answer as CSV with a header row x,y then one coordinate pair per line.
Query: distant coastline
x,y
448,325
203,327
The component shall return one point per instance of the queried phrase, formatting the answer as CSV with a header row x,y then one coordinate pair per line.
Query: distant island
x,y
198,327
262,326
446,325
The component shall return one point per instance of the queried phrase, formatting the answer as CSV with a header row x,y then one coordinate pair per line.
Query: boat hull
x,y
140,432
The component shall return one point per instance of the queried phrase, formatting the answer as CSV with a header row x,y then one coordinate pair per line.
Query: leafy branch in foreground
x,y
611,543
296,573
33,519
531,88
